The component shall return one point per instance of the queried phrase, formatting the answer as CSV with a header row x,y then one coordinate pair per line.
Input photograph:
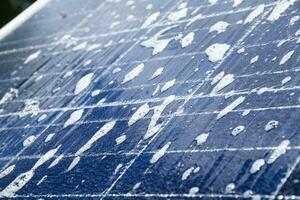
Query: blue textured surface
x,y
110,171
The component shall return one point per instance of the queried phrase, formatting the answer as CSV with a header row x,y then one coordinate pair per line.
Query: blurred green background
x,y
11,8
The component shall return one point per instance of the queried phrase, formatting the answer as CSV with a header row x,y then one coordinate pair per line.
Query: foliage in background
x,y
11,8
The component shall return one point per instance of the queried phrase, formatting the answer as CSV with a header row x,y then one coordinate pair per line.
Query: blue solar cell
x,y
123,99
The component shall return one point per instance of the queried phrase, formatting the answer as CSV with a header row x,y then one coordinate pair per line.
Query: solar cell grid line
x,y
199,96
163,148
12,41
237,92
133,45
151,26
255,45
158,99
179,109
7,164
192,151
288,107
188,54
100,67
83,21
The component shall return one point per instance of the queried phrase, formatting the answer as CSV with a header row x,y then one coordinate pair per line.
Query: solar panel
x,y
123,99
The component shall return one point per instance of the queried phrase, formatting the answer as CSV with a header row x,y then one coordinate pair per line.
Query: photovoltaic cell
x,y
123,99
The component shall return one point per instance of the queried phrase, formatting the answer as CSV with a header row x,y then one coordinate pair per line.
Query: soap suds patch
x,y
230,107
160,153
83,83
200,139
216,52
219,27
187,40
32,57
29,140
74,117
257,165
139,114
255,13
133,73
279,151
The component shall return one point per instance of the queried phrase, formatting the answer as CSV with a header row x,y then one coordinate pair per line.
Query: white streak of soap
x,y
42,180
31,107
168,85
95,92
152,18
160,153
98,135
187,40
241,50
200,139
237,130
74,162
217,78
193,191
136,186
177,15
86,63
156,90
219,27
279,151
246,112
116,70
29,140
286,57
256,166
69,73
7,171
212,2
281,6
255,13
153,128
32,57
49,137
93,47
224,82
285,80
74,117
83,83
133,73
254,59
121,139
42,117
20,181
157,45
139,114
157,72
229,188
262,90
294,19
271,125
56,161
8,96
187,173
230,107
80,46
237,2
117,169
217,51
